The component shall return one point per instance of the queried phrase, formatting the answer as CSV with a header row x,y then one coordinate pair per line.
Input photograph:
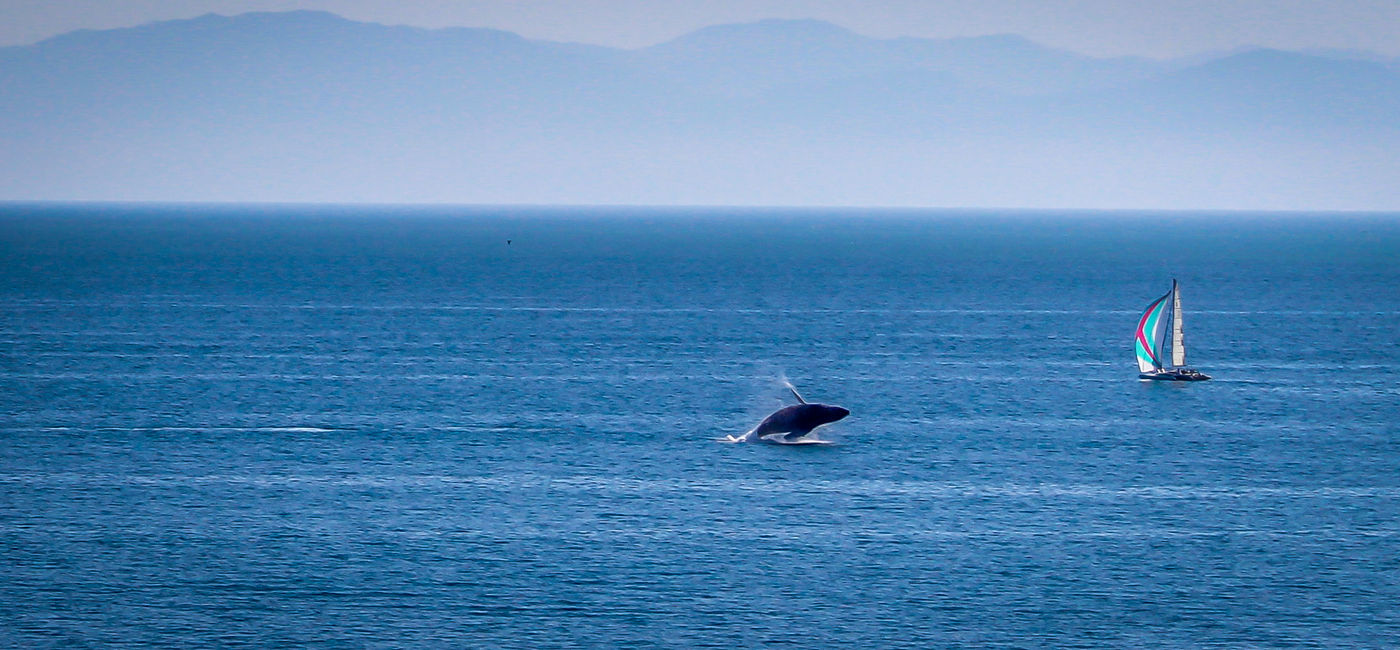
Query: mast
x,y
1178,345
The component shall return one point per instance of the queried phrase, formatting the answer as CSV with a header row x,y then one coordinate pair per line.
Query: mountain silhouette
x,y
308,106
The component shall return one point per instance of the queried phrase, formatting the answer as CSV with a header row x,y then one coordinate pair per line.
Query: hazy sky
x,y
1157,28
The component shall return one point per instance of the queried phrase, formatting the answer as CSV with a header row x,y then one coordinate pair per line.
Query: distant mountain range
x,y
307,106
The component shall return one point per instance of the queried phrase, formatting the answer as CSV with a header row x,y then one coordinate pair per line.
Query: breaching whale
x,y
786,425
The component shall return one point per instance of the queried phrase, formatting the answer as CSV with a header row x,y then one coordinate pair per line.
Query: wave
x,y
653,486
197,304
182,428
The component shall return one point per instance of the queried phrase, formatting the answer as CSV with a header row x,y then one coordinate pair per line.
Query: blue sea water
x,y
283,426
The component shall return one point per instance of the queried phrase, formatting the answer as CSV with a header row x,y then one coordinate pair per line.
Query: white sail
x,y
1178,346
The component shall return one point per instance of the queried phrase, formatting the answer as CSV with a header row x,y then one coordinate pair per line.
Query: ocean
x,y
496,427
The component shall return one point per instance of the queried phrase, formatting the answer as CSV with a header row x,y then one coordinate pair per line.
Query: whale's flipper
x,y
793,435
795,394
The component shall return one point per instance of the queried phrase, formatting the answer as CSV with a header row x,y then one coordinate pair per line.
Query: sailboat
x,y
1154,347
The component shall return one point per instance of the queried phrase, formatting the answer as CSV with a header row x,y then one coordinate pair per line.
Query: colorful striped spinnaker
x,y
1151,331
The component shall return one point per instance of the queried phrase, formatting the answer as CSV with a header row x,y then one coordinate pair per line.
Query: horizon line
x,y
8,203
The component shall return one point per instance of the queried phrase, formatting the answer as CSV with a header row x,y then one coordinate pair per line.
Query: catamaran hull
x,y
1174,375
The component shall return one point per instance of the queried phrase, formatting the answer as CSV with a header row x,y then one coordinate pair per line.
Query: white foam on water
x,y
800,441
183,428
776,439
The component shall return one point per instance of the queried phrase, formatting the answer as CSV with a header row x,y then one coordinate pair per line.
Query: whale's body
x,y
789,424
792,422
798,420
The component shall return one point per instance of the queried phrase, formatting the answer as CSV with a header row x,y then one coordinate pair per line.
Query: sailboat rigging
x,y
1154,347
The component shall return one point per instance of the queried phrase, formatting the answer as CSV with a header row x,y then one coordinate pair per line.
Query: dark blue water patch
x,y
277,425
